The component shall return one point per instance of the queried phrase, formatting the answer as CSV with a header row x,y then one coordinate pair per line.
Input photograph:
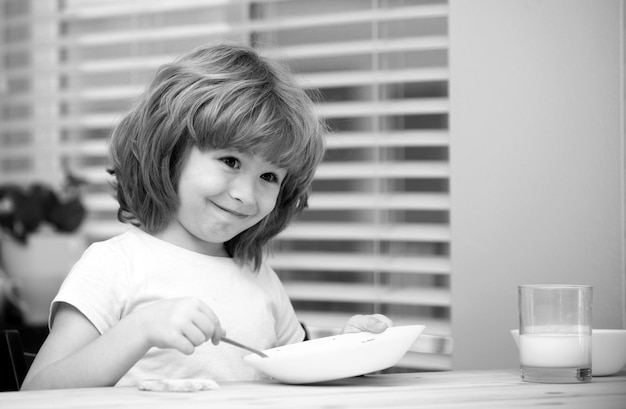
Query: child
x,y
216,159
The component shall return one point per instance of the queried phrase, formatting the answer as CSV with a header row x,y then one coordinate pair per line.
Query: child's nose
x,y
242,189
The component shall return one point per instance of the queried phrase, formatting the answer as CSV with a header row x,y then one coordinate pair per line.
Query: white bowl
x,y
608,350
336,357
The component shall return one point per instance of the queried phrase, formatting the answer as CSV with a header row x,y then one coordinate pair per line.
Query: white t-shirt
x,y
118,276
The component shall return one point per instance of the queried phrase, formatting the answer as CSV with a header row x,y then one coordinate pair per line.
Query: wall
x,y
537,163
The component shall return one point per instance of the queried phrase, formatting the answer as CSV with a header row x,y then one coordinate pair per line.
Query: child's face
x,y
222,193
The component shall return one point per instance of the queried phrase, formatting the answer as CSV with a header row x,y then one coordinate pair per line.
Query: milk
x,y
555,350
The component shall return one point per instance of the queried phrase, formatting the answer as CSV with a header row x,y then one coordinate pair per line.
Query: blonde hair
x,y
216,97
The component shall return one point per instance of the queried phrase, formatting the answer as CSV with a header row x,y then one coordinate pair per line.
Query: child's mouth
x,y
229,211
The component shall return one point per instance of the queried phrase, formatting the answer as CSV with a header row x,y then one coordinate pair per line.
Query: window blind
x,y
375,238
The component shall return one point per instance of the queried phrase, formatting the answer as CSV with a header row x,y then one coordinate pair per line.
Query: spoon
x,y
237,344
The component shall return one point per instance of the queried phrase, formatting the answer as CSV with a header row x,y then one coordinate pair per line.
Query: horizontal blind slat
x,y
362,293
410,232
123,8
405,201
324,261
415,106
403,138
325,19
156,34
351,78
346,48
390,169
316,50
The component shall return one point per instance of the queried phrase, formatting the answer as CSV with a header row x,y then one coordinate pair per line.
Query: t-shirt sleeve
x,y
96,286
288,327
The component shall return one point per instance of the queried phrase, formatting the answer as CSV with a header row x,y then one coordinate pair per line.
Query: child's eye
x,y
231,162
270,177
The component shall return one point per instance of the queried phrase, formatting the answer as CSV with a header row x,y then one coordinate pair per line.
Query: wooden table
x,y
453,389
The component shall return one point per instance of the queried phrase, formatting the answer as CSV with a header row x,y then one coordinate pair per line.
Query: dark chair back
x,y
13,365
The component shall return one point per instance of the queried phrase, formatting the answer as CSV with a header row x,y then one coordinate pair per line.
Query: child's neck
x,y
182,238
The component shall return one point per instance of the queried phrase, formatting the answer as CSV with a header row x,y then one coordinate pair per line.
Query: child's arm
x,y
373,323
75,355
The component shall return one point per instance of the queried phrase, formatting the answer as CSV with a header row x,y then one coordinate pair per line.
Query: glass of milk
x,y
555,333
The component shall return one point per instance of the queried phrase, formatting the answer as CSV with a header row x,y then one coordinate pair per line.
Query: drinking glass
x,y
555,333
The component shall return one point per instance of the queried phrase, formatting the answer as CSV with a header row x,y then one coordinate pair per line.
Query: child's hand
x,y
371,323
181,323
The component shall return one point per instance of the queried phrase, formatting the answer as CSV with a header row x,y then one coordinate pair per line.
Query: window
x,y
375,238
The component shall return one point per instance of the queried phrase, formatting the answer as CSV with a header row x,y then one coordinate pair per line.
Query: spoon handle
x,y
237,344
